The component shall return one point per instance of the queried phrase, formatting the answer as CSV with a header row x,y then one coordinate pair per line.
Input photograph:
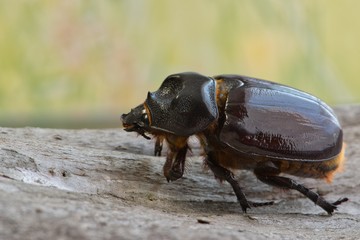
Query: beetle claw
x,y
340,201
174,175
245,207
331,207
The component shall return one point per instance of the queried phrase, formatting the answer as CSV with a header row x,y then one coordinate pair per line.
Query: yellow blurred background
x,y
80,64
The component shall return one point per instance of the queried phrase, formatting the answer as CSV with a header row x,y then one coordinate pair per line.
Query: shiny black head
x,y
184,104
136,121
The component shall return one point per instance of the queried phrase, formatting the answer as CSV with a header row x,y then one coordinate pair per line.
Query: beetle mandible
x,y
243,123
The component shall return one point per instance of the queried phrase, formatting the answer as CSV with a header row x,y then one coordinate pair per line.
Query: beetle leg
x,y
175,160
269,176
225,174
158,145
176,169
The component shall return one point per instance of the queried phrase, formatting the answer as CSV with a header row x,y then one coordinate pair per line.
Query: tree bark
x,y
106,184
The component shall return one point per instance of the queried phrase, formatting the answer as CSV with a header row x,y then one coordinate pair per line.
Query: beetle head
x,y
184,104
136,121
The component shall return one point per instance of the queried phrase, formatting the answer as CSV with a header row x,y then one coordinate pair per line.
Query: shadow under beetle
x,y
243,123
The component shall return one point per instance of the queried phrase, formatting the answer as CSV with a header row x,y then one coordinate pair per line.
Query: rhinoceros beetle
x,y
243,123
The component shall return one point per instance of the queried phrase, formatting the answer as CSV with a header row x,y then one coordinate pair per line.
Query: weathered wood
x,y
105,184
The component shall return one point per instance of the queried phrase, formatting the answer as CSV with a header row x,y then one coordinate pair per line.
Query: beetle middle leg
x,y
158,145
225,174
268,173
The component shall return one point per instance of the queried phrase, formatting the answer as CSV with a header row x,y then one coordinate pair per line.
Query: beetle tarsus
x,y
260,204
284,182
340,201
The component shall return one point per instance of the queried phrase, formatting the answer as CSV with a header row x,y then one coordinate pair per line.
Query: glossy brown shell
x,y
276,121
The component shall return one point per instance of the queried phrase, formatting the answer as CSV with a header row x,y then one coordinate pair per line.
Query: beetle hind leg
x,y
268,175
225,174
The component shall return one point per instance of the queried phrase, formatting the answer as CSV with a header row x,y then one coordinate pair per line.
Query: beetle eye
x,y
144,118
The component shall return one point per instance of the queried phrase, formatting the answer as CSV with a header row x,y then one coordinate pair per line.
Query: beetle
x,y
243,123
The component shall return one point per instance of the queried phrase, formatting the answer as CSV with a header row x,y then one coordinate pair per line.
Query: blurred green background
x,y
79,64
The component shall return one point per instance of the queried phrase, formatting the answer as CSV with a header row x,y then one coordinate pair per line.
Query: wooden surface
x,y
105,184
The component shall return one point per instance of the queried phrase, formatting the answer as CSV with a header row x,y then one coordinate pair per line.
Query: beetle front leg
x,y
225,174
174,168
175,160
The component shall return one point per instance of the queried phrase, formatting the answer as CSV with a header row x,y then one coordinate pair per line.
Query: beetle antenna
x,y
145,136
142,133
